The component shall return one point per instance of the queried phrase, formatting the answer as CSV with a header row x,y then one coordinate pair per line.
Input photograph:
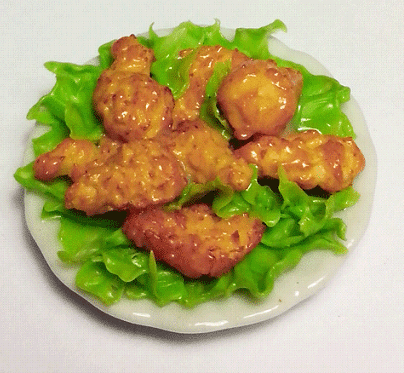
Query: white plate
x,y
310,275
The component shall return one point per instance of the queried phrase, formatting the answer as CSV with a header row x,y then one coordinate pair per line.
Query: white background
x,y
355,324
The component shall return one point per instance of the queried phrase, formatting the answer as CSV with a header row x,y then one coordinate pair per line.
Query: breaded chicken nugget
x,y
193,239
129,102
61,160
259,97
140,174
131,56
72,157
206,155
106,148
187,106
308,158
132,106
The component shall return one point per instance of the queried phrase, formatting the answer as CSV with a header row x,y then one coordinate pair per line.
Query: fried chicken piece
x,y
105,150
131,56
206,155
309,158
193,239
140,174
259,97
72,157
132,106
130,103
187,106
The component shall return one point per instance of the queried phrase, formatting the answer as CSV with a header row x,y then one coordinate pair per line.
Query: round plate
x,y
310,275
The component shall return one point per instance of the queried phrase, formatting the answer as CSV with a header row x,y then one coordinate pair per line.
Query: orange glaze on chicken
x,y
308,158
140,174
72,157
130,103
206,155
194,240
132,106
188,105
259,97
131,56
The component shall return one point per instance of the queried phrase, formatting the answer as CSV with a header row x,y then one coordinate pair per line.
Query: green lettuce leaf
x,y
254,42
82,242
319,106
49,140
55,188
69,103
257,200
209,111
126,262
105,58
194,192
93,278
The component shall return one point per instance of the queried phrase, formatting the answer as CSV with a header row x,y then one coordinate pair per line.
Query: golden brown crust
x,y
72,157
206,155
132,106
308,158
140,174
131,56
106,148
194,240
188,105
130,103
259,97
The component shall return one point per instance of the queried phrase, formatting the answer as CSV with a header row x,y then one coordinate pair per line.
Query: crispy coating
x,y
61,160
105,150
132,106
259,97
140,174
187,106
72,157
129,102
206,155
131,56
308,158
194,240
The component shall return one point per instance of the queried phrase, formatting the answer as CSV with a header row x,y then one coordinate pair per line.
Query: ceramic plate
x,y
310,275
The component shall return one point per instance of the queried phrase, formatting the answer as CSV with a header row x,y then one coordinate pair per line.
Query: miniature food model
x,y
190,166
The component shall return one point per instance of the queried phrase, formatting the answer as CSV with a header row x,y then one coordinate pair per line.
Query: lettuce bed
x,y
109,266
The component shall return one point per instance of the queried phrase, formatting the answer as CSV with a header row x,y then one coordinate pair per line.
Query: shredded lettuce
x,y
110,267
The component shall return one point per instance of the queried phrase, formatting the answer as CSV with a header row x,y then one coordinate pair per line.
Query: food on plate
x,y
140,174
129,102
132,106
203,61
176,137
206,155
258,97
131,56
193,239
308,158
73,157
